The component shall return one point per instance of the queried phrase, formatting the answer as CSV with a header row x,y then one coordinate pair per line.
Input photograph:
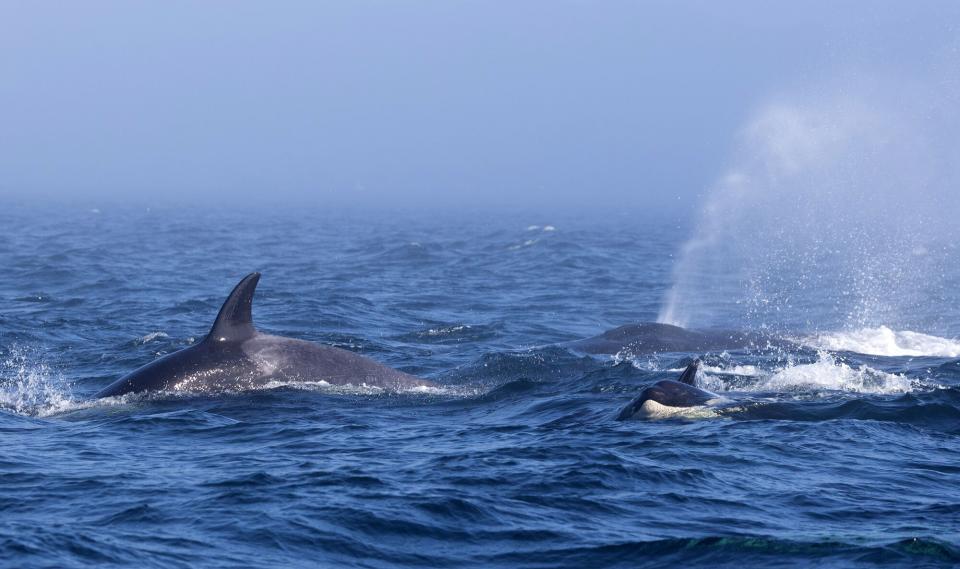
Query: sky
x,y
418,103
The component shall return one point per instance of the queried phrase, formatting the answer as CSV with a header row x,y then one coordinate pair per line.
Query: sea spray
x,y
883,341
29,386
837,213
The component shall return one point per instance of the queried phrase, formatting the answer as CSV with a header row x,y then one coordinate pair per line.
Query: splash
x,y
827,373
28,386
838,213
737,369
883,341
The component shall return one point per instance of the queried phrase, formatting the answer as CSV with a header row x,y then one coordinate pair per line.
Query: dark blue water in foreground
x,y
844,452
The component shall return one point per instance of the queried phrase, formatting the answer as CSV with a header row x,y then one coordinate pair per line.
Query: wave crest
x,y
829,373
883,341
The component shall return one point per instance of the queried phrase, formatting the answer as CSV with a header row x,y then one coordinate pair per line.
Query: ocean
x,y
842,451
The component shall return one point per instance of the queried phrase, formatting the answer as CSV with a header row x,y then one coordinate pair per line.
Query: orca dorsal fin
x,y
234,323
689,375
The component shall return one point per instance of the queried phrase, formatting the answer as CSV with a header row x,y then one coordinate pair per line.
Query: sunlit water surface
x,y
841,452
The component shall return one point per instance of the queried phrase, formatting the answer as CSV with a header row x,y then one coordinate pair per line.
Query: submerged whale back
x,y
290,360
654,337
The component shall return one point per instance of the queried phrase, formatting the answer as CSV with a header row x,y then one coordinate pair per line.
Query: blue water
x,y
843,452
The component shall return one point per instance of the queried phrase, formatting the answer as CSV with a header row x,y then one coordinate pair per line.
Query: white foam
x,y
883,341
447,330
829,374
651,364
29,386
151,337
744,370
526,243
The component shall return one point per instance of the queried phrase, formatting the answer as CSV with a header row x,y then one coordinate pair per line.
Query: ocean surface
x,y
843,451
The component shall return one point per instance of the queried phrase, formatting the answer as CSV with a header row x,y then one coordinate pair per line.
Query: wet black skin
x,y
202,363
653,337
235,356
672,393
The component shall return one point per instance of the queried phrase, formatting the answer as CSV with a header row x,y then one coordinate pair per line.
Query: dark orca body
x,y
653,337
670,394
235,356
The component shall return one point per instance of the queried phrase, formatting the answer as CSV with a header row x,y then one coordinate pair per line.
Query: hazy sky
x,y
498,102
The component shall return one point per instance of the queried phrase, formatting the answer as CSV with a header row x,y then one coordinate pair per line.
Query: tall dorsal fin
x,y
234,323
689,375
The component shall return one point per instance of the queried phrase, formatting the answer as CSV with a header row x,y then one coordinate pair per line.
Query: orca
x,y
669,397
654,337
234,356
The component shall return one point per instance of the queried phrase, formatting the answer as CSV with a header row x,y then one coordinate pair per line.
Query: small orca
x,y
669,397
654,337
235,356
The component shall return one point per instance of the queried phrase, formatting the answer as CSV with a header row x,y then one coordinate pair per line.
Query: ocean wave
x,y
451,333
736,369
741,550
884,341
829,373
937,410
